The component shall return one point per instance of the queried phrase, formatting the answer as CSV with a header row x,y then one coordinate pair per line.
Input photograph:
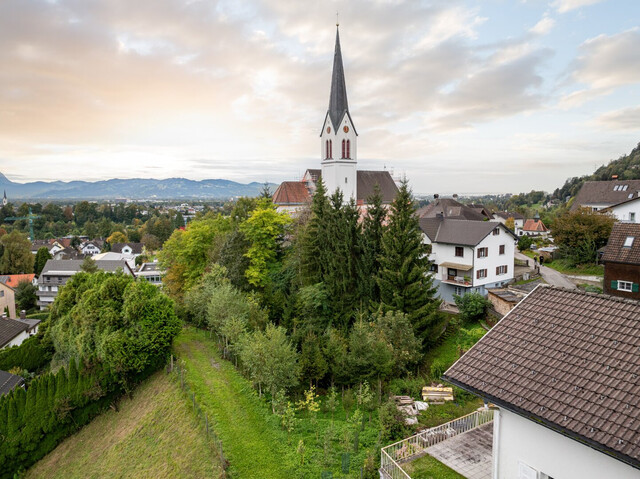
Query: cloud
x,y
563,6
624,119
544,26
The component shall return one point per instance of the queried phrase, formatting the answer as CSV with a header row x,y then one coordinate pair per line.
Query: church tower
x,y
339,136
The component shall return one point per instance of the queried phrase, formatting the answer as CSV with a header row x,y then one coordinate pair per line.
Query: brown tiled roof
x,y
9,329
460,232
291,193
367,181
569,360
8,382
604,192
616,252
505,215
534,225
449,208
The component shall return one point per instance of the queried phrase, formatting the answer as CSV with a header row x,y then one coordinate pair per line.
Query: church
x,y
339,153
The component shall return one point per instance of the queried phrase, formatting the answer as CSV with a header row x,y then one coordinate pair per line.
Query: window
x,y
496,232
330,149
1,294
501,269
501,249
433,268
459,290
483,252
459,251
632,217
615,188
348,148
326,149
628,242
345,180
625,286
624,188
343,148
481,273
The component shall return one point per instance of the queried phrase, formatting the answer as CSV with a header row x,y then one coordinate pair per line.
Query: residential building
x,y
338,149
13,280
8,381
450,208
14,331
518,220
7,300
150,272
89,248
52,246
534,227
132,249
468,256
622,261
67,252
627,211
56,273
561,371
598,195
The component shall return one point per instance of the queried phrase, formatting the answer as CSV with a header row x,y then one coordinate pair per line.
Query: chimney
x,y
614,177
23,314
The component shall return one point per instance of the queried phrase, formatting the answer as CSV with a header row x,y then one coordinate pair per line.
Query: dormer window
x,y
628,242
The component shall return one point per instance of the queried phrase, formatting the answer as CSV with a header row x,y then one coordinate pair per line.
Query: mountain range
x,y
134,188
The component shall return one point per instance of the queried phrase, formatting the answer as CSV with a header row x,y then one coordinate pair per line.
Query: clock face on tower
x,y
346,129
328,129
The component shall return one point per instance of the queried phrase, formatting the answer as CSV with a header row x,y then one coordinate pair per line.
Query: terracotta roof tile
x,y
291,193
534,225
569,359
13,280
616,251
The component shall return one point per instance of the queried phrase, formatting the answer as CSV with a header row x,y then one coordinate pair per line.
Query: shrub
x,y
524,243
392,422
438,367
472,306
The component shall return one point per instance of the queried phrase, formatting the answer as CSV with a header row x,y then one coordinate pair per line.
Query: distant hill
x,y
626,167
136,188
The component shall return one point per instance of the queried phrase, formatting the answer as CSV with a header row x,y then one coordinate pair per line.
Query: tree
x,y
371,249
580,233
26,295
16,256
510,223
472,306
264,229
524,243
42,256
394,328
117,237
313,365
313,240
404,279
89,265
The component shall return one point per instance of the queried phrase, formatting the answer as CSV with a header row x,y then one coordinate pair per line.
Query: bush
x,y
33,354
407,386
472,306
438,367
524,243
392,422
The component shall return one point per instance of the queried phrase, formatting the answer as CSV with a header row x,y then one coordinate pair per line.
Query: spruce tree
x,y
313,241
404,279
371,248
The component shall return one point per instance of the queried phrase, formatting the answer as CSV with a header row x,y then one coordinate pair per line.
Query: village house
x,y
90,248
128,249
56,273
627,211
468,256
52,246
534,227
7,300
561,373
338,145
8,382
450,208
14,331
622,261
598,195
150,272
518,220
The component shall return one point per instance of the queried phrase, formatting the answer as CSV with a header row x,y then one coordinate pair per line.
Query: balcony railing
x,y
402,451
457,280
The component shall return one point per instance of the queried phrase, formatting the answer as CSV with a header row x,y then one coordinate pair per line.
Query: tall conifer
x,y
313,242
404,280
371,249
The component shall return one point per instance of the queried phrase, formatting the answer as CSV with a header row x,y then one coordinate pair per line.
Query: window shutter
x,y
635,287
614,285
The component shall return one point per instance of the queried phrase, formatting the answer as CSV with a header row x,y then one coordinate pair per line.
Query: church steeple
x,y
338,105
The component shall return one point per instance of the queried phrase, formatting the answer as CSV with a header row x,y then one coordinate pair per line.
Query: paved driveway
x,y
551,276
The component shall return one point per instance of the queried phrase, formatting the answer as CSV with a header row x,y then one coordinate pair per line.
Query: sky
x,y
485,96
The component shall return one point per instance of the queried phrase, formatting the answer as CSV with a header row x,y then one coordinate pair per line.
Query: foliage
x,y
42,256
524,243
404,279
438,368
89,265
16,254
25,295
580,233
468,337
33,354
472,306
395,330
198,297
510,223
392,422
117,237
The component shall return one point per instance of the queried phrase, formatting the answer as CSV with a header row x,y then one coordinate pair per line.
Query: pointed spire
x,y
338,98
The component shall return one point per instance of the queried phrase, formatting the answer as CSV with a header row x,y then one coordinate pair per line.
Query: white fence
x,y
394,454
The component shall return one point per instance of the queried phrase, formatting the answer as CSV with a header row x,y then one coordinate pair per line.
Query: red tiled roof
x,y
534,225
291,193
568,360
14,279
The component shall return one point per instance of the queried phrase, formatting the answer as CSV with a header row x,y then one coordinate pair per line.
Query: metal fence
x,y
395,454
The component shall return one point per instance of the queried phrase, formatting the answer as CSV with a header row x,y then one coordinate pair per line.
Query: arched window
x,y
330,149
326,149
348,148
343,148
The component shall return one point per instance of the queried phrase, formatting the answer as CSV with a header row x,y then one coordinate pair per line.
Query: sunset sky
x,y
461,96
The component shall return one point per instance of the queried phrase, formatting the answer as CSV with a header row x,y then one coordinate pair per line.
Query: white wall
x,y
623,212
336,169
516,439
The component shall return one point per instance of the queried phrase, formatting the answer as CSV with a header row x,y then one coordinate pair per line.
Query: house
x,y
52,246
535,227
14,331
13,280
150,272
468,256
7,300
130,249
562,370
627,211
449,208
482,209
8,382
338,150
67,252
56,273
518,220
598,195
622,261
89,248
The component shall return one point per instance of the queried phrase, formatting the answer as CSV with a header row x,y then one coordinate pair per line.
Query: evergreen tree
x,y
314,248
312,362
371,249
42,256
404,279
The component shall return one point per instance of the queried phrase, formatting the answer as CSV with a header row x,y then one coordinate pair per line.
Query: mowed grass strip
x,y
428,467
252,441
155,434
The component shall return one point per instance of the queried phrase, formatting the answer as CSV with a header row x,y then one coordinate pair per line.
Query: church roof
x,y
338,105
367,180
291,193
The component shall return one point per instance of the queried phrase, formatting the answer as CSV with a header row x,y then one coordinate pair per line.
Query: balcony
x,y
457,280
464,445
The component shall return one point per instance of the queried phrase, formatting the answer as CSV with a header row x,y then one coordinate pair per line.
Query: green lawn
x,y
427,467
447,351
563,266
154,435
252,439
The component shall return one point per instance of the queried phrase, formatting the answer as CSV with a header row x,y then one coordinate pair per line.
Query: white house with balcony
x,y
468,256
